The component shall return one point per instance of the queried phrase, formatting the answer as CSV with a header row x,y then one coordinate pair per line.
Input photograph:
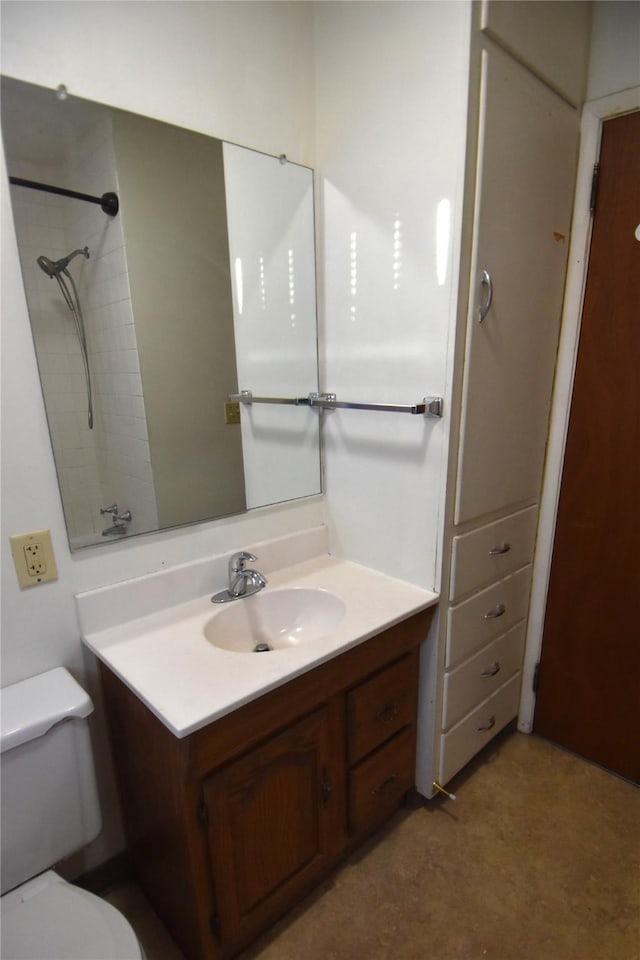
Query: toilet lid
x,y
47,918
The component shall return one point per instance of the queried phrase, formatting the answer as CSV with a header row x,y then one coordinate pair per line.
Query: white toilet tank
x,y
50,804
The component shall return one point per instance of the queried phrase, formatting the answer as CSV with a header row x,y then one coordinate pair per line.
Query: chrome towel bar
x,y
428,407
246,396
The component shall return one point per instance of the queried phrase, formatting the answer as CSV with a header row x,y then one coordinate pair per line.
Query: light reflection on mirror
x,y
443,230
171,328
397,252
353,273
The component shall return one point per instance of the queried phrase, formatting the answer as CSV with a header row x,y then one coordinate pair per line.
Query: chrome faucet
x,y
243,582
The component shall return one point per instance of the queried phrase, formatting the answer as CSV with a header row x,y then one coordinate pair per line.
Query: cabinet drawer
x,y
477,678
378,783
482,556
487,615
464,740
380,707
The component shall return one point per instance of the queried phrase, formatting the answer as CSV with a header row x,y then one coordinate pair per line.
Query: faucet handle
x,y
239,560
258,579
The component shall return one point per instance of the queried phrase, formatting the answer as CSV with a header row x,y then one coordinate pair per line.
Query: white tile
x,y
130,361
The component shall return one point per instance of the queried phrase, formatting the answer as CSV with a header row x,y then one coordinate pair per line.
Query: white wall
x,y
391,83
242,71
614,62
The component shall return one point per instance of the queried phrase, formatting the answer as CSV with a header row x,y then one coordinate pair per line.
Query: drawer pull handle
x,y
498,551
498,611
384,786
388,713
492,670
487,726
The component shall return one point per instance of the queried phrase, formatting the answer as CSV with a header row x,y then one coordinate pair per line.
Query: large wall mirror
x,y
145,321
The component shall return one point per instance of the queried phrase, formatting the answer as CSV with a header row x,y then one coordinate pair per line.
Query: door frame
x,y
594,113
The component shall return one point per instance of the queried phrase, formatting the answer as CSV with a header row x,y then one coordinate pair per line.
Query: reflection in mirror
x,y
203,284
273,281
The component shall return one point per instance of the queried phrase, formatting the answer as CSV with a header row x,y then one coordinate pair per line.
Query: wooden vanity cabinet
x,y
231,825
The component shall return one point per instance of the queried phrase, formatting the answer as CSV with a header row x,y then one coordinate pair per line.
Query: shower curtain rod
x,y
108,201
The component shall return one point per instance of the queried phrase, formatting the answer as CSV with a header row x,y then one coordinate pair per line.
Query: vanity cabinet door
x,y
271,824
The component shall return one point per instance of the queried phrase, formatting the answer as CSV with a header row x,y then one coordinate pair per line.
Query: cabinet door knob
x,y
491,722
498,551
492,670
498,611
483,308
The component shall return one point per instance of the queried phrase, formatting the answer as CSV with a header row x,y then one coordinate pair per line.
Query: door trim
x,y
595,112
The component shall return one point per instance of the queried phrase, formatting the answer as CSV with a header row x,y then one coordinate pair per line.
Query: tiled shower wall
x,y
122,446
110,463
39,220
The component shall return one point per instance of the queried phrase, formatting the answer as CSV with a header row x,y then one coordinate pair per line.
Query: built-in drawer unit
x,y
472,733
478,677
492,551
381,707
486,615
377,784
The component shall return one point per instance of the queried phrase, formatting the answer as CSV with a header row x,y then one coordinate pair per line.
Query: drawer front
x,y
482,556
377,784
480,676
487,615
381,706
464,740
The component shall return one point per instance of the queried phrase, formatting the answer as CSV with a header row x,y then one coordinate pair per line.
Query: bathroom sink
x,y
275,620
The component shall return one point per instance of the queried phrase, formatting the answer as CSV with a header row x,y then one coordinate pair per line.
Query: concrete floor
x,y
538,859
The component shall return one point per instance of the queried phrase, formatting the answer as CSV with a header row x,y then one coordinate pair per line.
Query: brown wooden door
x,y
272,825
589,683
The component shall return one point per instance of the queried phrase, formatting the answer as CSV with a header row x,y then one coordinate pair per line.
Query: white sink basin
x,y
275,620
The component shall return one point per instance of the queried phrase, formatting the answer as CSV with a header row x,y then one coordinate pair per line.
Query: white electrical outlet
x,y
33,558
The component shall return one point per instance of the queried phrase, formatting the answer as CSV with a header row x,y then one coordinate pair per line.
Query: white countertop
x,y
187,682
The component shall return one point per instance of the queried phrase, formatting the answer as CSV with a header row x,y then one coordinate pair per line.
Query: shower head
x,y
54,267
49,266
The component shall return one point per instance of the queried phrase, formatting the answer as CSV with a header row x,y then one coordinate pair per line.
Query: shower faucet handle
x,y
113,512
